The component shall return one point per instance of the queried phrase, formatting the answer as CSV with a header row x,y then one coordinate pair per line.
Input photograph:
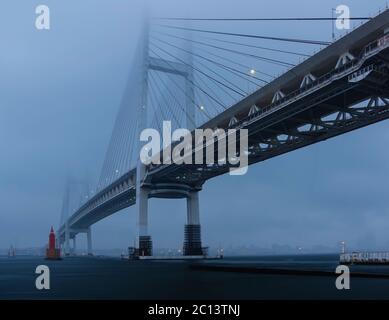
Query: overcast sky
x,y
59,94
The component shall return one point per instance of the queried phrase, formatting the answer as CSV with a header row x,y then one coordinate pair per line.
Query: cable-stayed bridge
x,y
216,79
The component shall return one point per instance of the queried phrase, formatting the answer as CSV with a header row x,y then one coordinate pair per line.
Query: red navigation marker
x,y
52,253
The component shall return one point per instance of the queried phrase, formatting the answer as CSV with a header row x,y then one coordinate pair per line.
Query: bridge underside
x,y
340,107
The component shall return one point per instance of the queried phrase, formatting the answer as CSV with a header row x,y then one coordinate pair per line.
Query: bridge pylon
x,y
144,191
192,239
89,241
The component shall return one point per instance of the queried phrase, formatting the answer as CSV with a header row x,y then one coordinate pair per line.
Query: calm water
x,y
110,278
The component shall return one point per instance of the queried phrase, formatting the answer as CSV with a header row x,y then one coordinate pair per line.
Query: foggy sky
x,y
59,94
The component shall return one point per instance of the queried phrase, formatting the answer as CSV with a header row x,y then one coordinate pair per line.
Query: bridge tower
x,y
65,220
144,191
70,233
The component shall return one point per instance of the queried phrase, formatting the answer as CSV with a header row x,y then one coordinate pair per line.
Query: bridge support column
x,y
192,238
67,239
145,242
89,241
74,246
